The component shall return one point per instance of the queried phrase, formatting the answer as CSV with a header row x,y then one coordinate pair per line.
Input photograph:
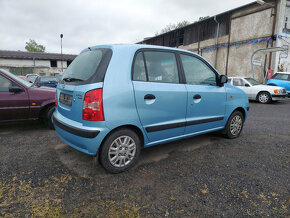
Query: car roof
x,y
135,47
284,72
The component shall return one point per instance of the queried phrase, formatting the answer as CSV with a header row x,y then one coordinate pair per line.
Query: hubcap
x,y
236,125
263,98
122,151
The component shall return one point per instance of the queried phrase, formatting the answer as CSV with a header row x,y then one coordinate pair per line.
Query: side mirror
x,y
223,79
247,85
15,89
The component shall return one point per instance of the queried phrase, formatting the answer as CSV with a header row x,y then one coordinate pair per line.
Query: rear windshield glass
x,y
47,79
89,65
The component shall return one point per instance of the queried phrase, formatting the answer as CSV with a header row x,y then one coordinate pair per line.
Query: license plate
x,y
65,99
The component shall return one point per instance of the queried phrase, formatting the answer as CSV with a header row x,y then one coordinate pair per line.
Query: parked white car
x,y
256,91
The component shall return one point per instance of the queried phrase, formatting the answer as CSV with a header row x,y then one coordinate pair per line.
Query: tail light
x,y
37,84
93,106
55,99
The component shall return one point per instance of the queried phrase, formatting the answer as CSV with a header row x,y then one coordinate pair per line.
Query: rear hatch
x,y
85,73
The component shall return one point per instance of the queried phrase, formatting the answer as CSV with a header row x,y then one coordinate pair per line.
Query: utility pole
x,y
61,36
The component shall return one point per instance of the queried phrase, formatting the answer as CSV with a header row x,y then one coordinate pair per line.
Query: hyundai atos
x,y
114,100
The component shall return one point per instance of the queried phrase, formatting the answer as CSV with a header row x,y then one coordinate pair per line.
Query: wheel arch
x,y
128,126
261,92
240,109
44,109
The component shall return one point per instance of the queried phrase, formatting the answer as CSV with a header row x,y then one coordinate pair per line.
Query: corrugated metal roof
x,y
35,55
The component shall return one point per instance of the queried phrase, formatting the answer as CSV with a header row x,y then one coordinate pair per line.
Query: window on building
x,y
53,63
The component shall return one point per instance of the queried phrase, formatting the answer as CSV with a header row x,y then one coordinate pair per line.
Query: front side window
x,y
161,67
5,84
197,72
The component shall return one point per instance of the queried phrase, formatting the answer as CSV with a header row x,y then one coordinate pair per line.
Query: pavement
x,y
202,176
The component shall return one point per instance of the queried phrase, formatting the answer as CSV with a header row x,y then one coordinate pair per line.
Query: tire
x,y
264,97
48,117
234,125
120,151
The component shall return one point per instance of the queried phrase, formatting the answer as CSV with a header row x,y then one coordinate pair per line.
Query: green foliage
x,y
203,18
171,26
32,46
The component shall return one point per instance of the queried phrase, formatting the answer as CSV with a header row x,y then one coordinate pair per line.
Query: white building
x,y
22,63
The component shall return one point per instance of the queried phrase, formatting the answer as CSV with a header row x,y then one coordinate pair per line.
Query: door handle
x,y
197,96
149,97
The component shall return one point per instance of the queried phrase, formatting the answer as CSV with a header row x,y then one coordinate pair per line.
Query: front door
x,y
160,98
206,105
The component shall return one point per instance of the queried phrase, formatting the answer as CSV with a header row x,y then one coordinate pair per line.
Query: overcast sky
x,y
93,22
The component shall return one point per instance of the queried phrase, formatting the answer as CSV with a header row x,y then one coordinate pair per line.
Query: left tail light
x,y
93,106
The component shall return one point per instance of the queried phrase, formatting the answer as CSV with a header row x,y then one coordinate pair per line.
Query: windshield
x,y
252,81
27,84
84,66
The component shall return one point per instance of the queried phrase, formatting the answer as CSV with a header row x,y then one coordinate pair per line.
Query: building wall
x,y
246,24
41,67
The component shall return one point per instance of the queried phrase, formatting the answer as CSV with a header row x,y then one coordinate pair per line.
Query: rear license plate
x,y
65,99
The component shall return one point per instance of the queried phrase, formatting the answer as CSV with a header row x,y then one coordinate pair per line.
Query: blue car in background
x,y
281,79
114,100
49,81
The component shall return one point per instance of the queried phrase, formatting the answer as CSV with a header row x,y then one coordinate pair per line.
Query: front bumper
x,y
279,96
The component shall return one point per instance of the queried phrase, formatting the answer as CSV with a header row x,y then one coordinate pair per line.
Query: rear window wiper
x,y
71,79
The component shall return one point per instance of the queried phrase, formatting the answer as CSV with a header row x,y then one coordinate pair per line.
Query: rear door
x,y
160,98
206,104
13,106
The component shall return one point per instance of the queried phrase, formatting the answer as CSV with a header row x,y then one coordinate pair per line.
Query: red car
x,y
21,100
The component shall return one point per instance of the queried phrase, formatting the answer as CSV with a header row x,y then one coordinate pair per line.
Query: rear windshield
x,y
89,67
47,79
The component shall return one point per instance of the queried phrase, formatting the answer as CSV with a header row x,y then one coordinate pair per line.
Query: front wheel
x,y
48,117
234,125
264,97
120,151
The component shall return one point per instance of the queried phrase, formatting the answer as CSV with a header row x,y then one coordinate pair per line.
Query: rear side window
x,y
89,67
159,66
139,71
47,79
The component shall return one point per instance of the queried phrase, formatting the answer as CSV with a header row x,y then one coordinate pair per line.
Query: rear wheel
x,y
234,125
120,151
264,97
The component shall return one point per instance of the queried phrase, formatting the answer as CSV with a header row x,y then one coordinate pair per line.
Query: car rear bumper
x,y
82,138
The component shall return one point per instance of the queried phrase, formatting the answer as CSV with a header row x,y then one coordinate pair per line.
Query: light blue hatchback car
x,y
114,100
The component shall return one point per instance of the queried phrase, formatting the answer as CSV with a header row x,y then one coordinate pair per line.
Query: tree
x,y
203,18
171,26
32,46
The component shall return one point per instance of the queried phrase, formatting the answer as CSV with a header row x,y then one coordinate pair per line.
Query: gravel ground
x,y
202,176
